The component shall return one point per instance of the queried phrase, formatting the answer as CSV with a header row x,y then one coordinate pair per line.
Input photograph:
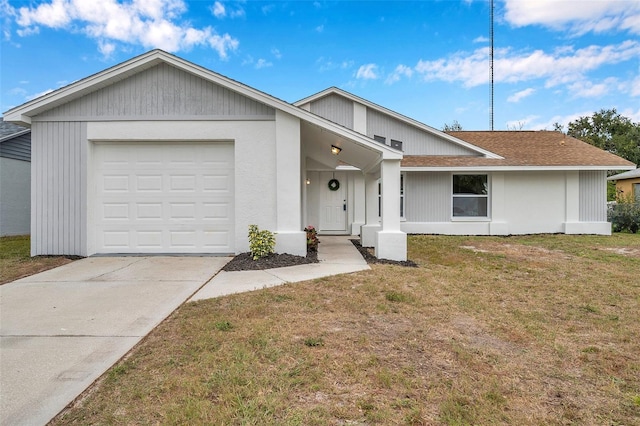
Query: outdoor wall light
x,y
308,181
335,150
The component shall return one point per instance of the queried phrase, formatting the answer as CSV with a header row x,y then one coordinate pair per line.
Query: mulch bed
x,y
370,258
245,262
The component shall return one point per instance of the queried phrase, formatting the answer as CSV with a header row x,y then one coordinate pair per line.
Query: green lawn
x,y
16,261
532,330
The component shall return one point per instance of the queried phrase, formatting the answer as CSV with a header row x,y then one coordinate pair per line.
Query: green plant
x,y
314,341
223,326
625,214
312,238
261,243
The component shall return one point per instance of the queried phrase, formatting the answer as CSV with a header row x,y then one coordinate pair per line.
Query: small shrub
x,y
625,215
312,238
261,243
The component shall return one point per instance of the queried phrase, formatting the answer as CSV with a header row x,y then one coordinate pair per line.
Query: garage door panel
x,y
176,201
182,183
148,183
148,211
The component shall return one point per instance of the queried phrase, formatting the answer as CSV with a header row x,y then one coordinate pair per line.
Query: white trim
x,y
486,218
24,112
510,168
405,119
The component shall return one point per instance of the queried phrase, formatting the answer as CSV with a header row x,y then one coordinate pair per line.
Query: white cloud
x,y
578,18
55,14
398,73
276,52
558,67
329,65
522,123
221,11
37,95
587,89
320,28
106,48
631,114
263,63
481,39
218,10
564,120
18,91
518,96
635,87
150,23
367,72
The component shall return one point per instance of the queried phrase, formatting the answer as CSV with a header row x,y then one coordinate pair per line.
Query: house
x,y
628,184
160,155
15,179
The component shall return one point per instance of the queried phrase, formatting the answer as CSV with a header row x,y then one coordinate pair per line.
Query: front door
x,y
333,202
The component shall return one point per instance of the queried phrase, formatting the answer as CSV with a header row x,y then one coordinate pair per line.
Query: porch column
x,y
290,238
372,225
391,242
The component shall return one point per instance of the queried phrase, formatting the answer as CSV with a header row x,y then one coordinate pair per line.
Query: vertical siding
x,y
593,196
428,196
58,188
161,91
334,108
414,141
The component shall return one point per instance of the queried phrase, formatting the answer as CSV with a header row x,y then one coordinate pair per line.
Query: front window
x,y
401,197
470,196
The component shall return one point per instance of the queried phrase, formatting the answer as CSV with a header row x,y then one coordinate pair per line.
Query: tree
x,y
453,127
610,131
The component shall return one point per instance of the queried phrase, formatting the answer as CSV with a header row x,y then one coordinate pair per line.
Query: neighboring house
x,y
628,184
159,155
15,179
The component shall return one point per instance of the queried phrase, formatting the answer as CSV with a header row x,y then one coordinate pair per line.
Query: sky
x,y
554,60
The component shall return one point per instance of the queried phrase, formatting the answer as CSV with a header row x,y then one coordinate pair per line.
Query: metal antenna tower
x,y
491,66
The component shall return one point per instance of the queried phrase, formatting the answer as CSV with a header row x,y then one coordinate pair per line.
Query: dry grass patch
x,y
16,261
530,330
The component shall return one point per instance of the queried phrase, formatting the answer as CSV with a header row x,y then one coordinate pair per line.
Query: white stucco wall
x,y
15,197
536,202
522,202
255,163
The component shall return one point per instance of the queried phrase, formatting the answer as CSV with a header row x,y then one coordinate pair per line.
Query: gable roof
x,y
407,120
10,130
522,150
23,113
626,175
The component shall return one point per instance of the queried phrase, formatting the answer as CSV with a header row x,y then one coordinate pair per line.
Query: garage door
x,y
164,197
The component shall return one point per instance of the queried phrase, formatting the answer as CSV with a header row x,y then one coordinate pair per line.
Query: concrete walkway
x,y
336,255
62,329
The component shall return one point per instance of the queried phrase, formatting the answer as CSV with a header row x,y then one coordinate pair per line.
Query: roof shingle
x,y
523,149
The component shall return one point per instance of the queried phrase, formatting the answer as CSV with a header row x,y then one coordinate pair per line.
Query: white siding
x,y
160,92
428,197
414,141
334,108
15,200
593,196
58,188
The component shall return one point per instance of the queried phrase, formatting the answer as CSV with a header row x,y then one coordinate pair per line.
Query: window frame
x,y
403,210
487,196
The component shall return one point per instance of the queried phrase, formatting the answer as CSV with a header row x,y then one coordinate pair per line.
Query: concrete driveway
x,y
63,328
